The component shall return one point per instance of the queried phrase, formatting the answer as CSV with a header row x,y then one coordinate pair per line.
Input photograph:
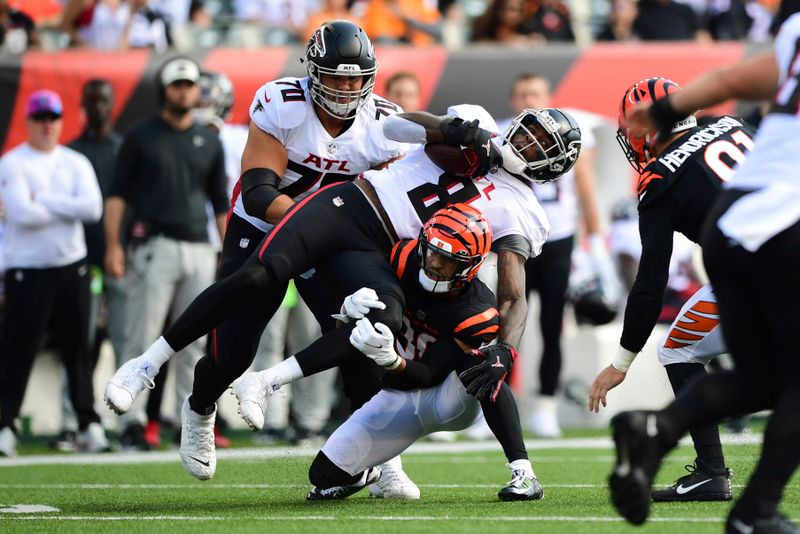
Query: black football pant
x,y
36,298
758,295
334,219
548,274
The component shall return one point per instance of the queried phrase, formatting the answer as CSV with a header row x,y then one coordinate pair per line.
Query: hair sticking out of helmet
x,y
340,48
634,139
541,144
452,246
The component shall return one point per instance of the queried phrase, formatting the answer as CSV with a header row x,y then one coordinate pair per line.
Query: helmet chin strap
x,y
434,286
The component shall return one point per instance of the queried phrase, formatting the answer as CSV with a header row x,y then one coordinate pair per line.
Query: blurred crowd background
x,y
187,24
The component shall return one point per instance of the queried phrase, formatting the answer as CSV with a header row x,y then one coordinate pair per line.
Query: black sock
x,y
705,437
503,418
210,381
324,474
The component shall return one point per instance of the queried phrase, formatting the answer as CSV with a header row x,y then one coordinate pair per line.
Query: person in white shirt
x,y
48,191
548,273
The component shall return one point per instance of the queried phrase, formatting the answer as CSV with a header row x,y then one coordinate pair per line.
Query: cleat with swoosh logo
x,y
701,484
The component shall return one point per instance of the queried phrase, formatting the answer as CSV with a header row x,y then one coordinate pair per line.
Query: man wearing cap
x,y
48,191
167,168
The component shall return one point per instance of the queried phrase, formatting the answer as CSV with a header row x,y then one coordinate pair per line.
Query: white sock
x,y
522,465
158,353
284,373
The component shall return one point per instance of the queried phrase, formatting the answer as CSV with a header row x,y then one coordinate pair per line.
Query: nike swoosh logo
x,y
208,464
682,490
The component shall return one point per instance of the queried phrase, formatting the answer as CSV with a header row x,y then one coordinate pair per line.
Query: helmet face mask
x,y
216,98
545,143
452,246
634,139
342,49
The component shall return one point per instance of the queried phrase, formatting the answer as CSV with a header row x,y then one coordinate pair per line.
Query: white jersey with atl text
x,y
412,189
284,109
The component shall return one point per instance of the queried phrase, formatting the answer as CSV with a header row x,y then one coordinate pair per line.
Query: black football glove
x,y
485,379
482,155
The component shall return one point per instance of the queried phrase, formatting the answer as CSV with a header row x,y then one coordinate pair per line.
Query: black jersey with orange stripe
x,y
469,316
708,152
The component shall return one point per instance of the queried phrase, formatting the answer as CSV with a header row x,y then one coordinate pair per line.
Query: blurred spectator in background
x,y
415,22
403,88
330,10
167,168
667,20
99,143
504,22
727,20
114,25
620,22
550,19
17,30
563,200
48,190
284,20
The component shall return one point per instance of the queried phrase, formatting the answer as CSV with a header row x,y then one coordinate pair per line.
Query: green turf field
x,y
267,494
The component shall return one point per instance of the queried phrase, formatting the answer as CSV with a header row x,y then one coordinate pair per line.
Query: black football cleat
x,y
699,485
640,448
774,524
335,493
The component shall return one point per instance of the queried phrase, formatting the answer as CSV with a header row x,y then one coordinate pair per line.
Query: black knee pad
x,y
323,473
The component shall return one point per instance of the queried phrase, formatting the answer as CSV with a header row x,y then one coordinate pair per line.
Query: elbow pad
x,y
259,189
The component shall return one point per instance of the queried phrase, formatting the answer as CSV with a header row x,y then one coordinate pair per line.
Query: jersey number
x,y
787,98
428,197
410,344
384,108
733,155
295,94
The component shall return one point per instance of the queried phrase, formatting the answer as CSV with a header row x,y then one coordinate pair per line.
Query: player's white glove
x,y
377,343
357,305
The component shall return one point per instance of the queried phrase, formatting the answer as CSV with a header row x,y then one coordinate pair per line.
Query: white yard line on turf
x,y
213,486
566,519
283,452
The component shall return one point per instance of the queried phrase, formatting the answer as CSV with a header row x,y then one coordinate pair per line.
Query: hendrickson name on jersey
x,y
675,158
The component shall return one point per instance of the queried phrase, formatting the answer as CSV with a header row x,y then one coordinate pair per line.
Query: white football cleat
x,y
131,379
394,482
93,439
8,442
198,454
253,391
544,418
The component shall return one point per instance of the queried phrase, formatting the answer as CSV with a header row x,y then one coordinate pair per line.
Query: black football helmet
x,y
217,93
541,144
340,48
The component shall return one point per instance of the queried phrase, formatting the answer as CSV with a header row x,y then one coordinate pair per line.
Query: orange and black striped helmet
x,y
458,232
635,139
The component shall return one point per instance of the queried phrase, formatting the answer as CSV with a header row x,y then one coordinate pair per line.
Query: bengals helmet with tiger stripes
x,y
460,233
634,139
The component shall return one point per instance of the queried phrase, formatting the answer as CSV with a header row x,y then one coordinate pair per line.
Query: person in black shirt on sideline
x,y
168,167
676,187
99,143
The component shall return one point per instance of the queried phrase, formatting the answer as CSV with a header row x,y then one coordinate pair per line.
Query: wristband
x,y
394,365
623,359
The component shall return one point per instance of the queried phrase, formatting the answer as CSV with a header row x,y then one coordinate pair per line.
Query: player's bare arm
x,y
511,302
112,221
263,163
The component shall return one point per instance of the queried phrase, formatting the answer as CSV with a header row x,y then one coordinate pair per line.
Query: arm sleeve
x,y
647,294
216,188
20,205
125,169
86,202
515,243
440,358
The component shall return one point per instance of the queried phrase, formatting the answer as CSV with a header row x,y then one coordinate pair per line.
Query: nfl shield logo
x,y
331,149
244,242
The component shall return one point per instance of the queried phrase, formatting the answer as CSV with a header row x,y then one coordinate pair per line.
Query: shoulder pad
x,y
280,104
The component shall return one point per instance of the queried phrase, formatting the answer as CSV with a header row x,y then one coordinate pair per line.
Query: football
x,y
454,160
